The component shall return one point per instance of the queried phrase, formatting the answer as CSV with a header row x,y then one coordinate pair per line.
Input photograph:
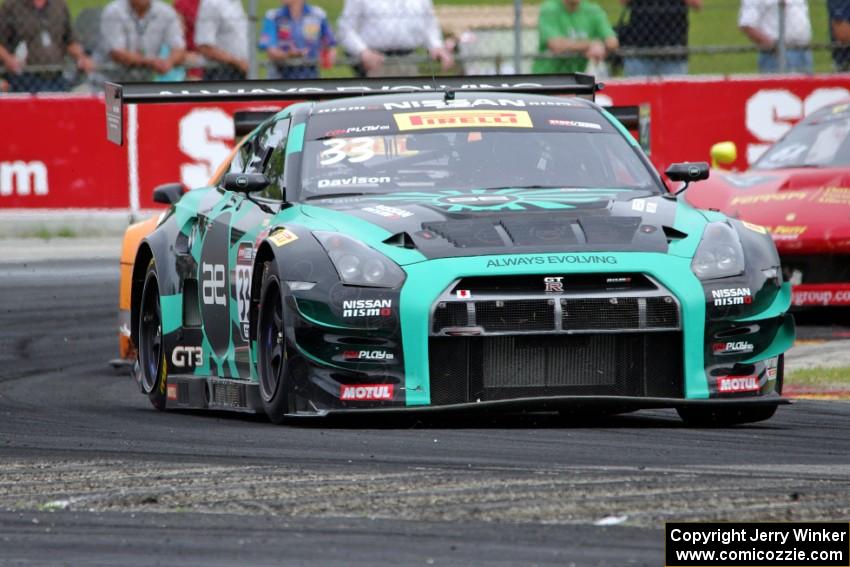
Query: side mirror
x,y
168,193
723,154
245,182
687,171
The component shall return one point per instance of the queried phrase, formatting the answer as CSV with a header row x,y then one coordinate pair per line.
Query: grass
x,y
46,233
821,378
715,25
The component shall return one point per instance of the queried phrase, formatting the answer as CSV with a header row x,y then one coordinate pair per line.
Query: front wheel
x,y
718,417
272,354
153,370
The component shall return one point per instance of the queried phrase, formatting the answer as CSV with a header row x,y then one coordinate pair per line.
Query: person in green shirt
x,y
572,32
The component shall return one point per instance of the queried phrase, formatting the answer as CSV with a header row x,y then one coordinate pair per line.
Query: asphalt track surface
x,y
91,474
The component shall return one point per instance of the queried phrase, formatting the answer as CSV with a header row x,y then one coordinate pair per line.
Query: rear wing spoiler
x,y
117,95
636,119
244,121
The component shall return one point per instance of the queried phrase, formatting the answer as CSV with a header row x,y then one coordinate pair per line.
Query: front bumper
x,y
692,374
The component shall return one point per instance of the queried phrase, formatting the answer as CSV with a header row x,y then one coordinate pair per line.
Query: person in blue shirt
x,y
297,37
839,32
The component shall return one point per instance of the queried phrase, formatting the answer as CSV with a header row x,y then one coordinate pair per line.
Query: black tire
x,y
272,351
153,368
725,416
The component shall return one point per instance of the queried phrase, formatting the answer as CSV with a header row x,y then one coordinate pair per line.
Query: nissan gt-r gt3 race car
x,y
450,246
799,190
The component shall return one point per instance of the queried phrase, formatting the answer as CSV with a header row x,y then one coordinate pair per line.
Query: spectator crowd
x,y
152,40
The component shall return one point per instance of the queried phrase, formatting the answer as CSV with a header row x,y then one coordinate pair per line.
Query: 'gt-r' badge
x,y
554,284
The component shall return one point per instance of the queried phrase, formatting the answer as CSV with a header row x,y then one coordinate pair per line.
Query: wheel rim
x,y
150,337
272,344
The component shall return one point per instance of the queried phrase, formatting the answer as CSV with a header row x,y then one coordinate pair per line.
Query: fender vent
x,y
672,234
191,309
401,240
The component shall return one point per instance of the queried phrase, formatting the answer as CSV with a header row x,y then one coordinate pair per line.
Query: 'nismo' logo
x,y
732,296
367,308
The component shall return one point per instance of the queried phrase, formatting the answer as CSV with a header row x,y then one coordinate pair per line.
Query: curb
x,y
821,354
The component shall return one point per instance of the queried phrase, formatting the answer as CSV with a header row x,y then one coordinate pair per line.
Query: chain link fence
x,y
47,45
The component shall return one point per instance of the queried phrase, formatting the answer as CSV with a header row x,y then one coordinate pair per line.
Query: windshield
x,y
434,151
820,141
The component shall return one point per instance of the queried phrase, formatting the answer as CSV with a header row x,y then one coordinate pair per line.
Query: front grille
x,y
600,313
662,312
519,315
578,314
465,369
452,314
501,338
572,303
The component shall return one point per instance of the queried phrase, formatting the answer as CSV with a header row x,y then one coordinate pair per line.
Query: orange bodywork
x,y
133,237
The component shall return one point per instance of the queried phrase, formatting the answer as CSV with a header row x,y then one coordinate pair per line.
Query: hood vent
x,y
467,233
536,231
609,230
543,231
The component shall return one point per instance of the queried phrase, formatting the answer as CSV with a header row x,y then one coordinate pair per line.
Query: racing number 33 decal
x,y
244,267
355,149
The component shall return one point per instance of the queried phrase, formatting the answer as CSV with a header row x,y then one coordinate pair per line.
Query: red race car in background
x,y
799,191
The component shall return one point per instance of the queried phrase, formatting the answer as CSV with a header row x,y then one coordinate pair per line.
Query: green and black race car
x,y
455,246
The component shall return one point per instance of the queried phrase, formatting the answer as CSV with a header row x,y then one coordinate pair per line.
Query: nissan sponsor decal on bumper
x,y
732,296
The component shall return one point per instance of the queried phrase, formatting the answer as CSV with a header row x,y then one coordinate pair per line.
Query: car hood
x,y
806,210
509,221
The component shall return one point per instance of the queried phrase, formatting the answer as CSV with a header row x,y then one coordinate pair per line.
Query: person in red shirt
x,y
188,12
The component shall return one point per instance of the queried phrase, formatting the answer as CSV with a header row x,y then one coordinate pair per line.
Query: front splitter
x,y
555,403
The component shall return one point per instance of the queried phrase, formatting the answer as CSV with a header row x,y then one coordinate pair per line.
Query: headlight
x,y
358,264
719,254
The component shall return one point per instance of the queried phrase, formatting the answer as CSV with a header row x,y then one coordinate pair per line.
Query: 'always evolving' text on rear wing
x,y
576,84
117,95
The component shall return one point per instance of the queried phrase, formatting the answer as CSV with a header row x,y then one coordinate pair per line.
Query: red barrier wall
x,y
54,152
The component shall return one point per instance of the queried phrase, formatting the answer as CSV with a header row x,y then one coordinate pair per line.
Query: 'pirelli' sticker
x,y
283,237
463,119
755,227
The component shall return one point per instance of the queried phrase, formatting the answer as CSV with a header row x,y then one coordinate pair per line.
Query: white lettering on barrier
x,y
821,297
23,178
206,135
770,113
